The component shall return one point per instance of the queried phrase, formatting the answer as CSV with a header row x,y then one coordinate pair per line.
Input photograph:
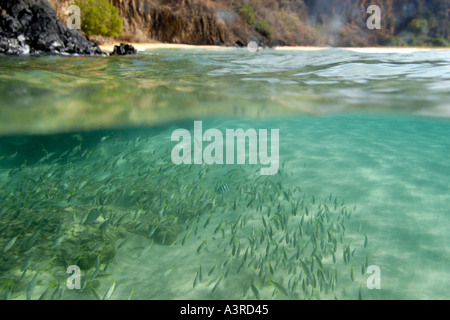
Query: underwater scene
x,y
106,173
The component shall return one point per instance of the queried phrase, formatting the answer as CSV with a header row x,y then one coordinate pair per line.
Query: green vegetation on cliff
x,y
248,15
100,17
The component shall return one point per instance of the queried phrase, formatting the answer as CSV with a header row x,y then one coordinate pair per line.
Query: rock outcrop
x,y
31,27
123,49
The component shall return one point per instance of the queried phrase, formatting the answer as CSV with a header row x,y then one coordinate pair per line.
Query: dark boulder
x,y
240,44
123,49
31,26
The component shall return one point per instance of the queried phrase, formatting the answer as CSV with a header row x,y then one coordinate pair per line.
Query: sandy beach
x,y
151,46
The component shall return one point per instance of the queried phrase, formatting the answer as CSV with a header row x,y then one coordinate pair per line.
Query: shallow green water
x,y
54,94
363,176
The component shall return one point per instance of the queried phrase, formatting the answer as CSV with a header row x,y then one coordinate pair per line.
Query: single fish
x,y
224,187
147,249
10,244
55,292
216,286
122,243
31,286
26,264
120,220
131,293
92,216
212,270
109,292
194,284
184,238
218,227
152,231
271,269
279,287
201,246
94,274
207,222
97,262
200,276
59,230
43,264
58,241
255,292
8,293
106,266
30,242
44,294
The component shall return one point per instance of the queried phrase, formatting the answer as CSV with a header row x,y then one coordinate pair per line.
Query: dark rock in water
x,y
123,49
31,26
240,44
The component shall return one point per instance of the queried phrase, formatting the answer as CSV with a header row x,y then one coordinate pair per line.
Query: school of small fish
x,y
81,206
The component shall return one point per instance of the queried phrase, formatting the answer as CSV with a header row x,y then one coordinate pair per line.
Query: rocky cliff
x,y
282,22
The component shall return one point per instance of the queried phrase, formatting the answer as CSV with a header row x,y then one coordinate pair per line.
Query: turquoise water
x,y
87,179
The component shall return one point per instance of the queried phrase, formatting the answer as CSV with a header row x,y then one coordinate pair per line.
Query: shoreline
x,y
150,46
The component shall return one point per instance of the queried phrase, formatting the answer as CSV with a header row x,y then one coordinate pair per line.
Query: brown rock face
x,y
176,21
179,21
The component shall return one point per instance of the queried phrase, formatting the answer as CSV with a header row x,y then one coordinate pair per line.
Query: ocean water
x,y
87,176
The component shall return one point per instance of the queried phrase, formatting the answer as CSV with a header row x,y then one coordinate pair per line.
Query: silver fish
x,y
44,294
201,246
31,286
26,264
147,249
211,271
30,242
95,294
224,187
255,292
109,292
10,244
195,280
91,216
58,241
122,243
216,286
